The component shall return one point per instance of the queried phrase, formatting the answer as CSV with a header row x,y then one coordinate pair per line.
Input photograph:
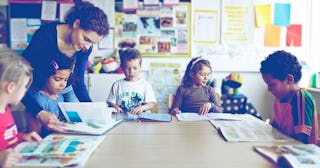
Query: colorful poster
x,y
157,30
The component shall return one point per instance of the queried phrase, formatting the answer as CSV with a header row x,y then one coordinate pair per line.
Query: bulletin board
x,y
250,30
159,31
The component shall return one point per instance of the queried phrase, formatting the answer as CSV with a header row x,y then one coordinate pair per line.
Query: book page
x,y
90,128
191,117
223,116
210,116
248,129
295,155
155,117
145,116
58,151
90,112
88,117
304,155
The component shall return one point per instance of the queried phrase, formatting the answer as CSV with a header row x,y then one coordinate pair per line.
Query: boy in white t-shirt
x,y
131,94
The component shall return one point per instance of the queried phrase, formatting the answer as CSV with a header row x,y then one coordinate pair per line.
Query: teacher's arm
x,y
78,82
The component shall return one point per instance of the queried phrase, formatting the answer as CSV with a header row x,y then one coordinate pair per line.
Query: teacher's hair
x,y
91,18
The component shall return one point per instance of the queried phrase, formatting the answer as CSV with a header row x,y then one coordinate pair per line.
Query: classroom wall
x,y
253,87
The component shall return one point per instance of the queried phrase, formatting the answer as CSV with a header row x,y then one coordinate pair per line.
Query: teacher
x,y
84,26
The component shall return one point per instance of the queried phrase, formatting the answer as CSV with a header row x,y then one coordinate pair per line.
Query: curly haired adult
x,y
84,26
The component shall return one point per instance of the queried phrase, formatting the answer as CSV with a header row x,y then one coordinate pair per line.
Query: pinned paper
x,y
294,35
272,35
282,14
262,15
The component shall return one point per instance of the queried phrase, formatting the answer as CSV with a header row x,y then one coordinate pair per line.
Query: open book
x,y
88,117
248,128
296,155
147,116
58,150
209,116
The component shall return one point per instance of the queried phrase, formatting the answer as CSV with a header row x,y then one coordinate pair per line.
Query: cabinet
x,y
99,85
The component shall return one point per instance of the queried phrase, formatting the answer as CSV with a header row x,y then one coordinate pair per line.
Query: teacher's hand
x,y
50,121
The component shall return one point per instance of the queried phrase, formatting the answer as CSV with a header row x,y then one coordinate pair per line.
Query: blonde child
x,y
131,94
294,108
193,95
47,90
15,79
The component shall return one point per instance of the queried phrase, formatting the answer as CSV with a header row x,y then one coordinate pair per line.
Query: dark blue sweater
x,y
41,50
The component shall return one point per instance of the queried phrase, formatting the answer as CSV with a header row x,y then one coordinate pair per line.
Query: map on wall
x,y
165,79
157,30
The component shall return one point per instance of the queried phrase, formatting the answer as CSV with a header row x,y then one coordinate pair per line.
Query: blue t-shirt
x,y
48,103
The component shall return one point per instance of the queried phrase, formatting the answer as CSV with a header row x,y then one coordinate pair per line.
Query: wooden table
x,y
175,144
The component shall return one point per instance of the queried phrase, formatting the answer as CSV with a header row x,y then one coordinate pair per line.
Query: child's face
x,y
132,69
56,83
201,77
20,90
280,89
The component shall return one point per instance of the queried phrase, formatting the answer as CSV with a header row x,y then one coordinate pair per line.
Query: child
x,y
193,95
294,108
15,79
131,94
47,90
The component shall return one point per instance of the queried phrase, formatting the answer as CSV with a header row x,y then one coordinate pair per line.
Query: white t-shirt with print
x,y
128,94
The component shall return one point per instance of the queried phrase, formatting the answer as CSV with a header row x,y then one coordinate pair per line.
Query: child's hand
x,y
204,109
137,110
118,109
175,111
9,157
32,136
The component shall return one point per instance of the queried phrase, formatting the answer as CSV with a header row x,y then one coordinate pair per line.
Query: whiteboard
x,y
247,56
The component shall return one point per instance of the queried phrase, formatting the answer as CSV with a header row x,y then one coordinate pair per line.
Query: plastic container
x,y
110,65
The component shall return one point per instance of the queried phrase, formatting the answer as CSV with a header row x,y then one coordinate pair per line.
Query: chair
x,y
318,129
170,100
19,116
